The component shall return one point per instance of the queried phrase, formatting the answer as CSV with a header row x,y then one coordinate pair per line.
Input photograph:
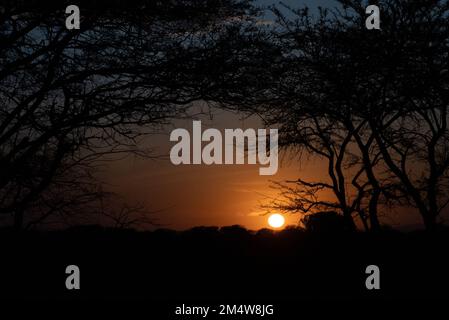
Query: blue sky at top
x,y
312,4
300,3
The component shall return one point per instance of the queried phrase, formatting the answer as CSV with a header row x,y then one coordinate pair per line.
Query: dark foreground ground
x,y
163,268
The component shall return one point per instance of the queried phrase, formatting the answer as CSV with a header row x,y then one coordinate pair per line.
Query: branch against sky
x,y
372,104
68,96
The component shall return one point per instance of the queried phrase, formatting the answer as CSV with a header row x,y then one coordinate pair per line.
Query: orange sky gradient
x,y
216,195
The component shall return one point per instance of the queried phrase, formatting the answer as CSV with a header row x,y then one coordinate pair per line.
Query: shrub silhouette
x,y
325,221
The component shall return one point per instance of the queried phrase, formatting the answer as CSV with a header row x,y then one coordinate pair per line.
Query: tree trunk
x,y
364,220
349,221
373,218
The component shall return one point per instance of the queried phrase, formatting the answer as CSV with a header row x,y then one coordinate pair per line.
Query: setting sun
x,y
276,220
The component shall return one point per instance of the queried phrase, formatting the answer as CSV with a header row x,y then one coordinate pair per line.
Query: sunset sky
x,y
216,195
192,195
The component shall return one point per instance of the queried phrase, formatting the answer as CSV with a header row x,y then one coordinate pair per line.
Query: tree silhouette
x,y
371,103
70,96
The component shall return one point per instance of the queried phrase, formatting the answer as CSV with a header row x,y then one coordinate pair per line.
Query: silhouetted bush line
x,y
220,263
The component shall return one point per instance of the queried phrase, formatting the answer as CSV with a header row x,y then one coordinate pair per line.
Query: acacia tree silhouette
x,y
372,103
70,96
